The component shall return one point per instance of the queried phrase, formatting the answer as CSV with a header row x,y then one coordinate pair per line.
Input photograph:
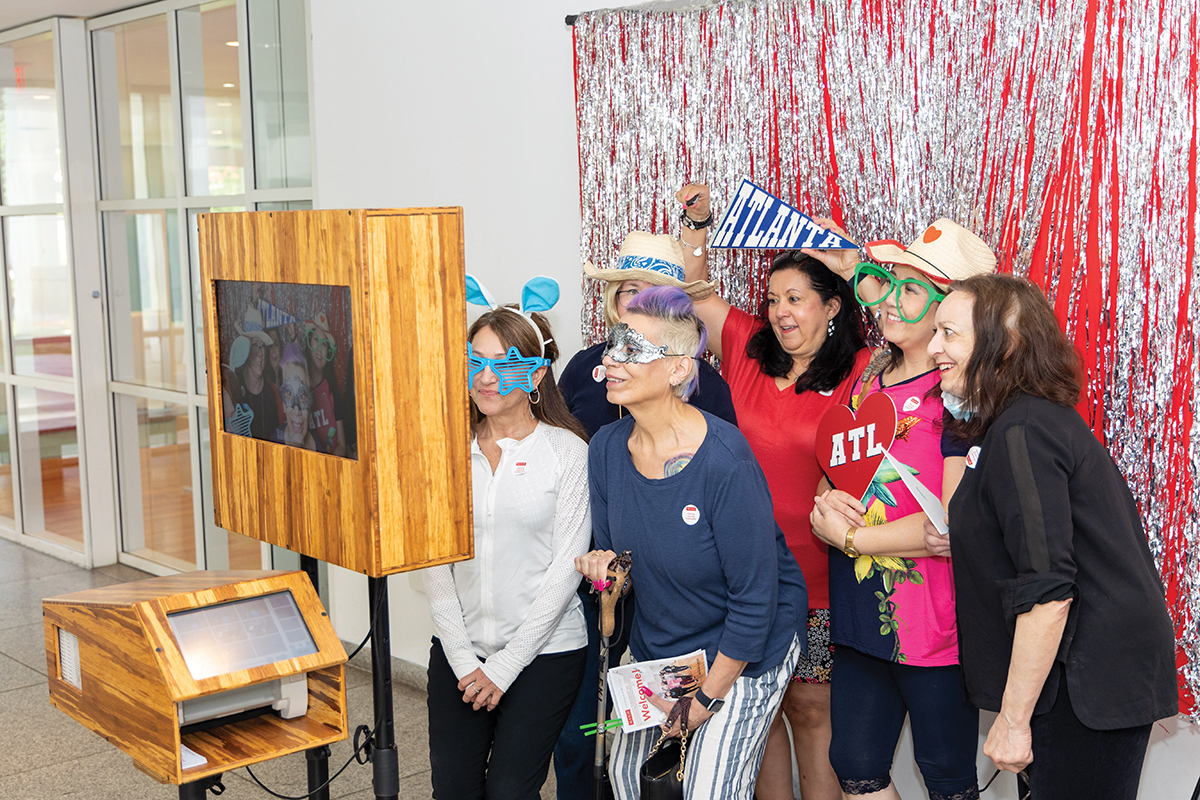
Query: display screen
x,y
216,640
287,368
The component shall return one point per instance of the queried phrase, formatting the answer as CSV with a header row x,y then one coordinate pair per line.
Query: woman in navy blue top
x,y
682,491
645,260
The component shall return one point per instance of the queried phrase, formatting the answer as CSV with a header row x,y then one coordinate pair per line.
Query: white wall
x,y
472,104
452,104
457,104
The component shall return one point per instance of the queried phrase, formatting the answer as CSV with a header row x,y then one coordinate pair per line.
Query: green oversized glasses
x,y
316,342
913,295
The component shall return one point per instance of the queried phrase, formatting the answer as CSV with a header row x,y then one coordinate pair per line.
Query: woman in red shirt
x,y
785,368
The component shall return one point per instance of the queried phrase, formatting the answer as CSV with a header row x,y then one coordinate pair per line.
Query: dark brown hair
x,y
834,361
1019,348
513,331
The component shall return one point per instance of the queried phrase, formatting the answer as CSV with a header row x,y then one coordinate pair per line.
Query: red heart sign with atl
x,y
850,446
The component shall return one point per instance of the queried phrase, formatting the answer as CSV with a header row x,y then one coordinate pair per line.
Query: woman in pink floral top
x,y
891,600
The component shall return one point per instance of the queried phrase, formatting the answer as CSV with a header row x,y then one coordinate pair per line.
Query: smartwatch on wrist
x,y
712,704
693,224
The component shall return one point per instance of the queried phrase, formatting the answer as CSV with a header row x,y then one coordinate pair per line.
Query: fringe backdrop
x,y
1064,132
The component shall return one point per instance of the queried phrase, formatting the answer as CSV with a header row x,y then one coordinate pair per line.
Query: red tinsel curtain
x,y
1064,132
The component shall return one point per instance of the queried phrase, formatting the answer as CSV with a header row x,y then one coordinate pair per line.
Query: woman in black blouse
x,y
1063,627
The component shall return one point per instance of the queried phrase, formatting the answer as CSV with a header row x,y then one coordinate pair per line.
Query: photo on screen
x,y
287,367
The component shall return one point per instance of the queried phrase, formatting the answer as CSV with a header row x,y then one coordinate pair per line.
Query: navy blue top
x,y
710,567
582,386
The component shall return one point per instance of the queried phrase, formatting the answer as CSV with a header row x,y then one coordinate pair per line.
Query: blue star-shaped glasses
x,y
515,371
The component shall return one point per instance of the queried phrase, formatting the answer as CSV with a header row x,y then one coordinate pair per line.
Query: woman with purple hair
x,y
712,569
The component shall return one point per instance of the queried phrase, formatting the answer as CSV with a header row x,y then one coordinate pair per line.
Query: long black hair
x,y
834,361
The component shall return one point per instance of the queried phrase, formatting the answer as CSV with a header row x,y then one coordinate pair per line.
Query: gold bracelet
x,y
849,548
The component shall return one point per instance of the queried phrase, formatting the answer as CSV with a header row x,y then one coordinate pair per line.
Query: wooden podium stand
x,y
118,645
405,502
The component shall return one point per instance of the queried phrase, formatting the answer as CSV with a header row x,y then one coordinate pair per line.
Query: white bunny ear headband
x,y
538,294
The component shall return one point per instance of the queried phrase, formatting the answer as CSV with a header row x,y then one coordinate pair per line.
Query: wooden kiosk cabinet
x,y
164,664
365,311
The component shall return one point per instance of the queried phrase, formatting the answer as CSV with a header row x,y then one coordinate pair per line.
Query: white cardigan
x,y
516,599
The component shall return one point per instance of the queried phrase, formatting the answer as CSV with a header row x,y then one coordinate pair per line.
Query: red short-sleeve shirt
x,y
781,427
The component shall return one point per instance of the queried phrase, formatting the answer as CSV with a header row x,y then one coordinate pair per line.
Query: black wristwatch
x,y
693,224
712,704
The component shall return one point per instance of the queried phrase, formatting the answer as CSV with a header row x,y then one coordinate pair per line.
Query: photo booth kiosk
x,y
374,302
197,674
365,312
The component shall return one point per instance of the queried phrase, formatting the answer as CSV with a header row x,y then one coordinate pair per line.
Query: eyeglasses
x,y
316,341
515,371
913,295
631,293
626,346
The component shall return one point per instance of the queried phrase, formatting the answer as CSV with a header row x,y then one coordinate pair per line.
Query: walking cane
x,y
618,581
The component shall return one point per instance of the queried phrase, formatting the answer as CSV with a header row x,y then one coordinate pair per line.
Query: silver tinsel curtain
x,y
1064,132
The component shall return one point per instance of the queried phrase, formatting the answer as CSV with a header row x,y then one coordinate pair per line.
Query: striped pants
x,y
724,753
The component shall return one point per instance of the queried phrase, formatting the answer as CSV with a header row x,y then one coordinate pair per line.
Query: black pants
x,y
501,754
1073,762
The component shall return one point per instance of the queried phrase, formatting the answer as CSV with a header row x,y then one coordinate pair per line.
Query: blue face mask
x,y
957,407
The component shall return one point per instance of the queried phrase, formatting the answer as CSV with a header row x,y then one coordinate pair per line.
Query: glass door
x,y
187,96
41,460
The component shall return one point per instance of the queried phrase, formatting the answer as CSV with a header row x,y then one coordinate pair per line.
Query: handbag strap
x,y
679,712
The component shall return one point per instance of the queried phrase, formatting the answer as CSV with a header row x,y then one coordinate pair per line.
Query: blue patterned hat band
x,y
656,259
652,264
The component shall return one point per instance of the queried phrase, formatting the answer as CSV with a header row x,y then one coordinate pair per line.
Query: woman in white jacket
x,y
508,658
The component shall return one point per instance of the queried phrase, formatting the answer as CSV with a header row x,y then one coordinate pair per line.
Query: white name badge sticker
x,y
973,457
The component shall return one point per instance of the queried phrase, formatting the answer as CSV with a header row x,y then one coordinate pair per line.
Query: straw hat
x,y
260,336
319,322
944,252
655,259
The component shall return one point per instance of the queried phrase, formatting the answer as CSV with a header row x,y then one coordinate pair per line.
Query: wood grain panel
x,y
422,443
134,675
310,503
405,503
126,594
124,696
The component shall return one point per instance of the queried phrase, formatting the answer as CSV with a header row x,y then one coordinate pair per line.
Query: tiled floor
x,y
46,754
